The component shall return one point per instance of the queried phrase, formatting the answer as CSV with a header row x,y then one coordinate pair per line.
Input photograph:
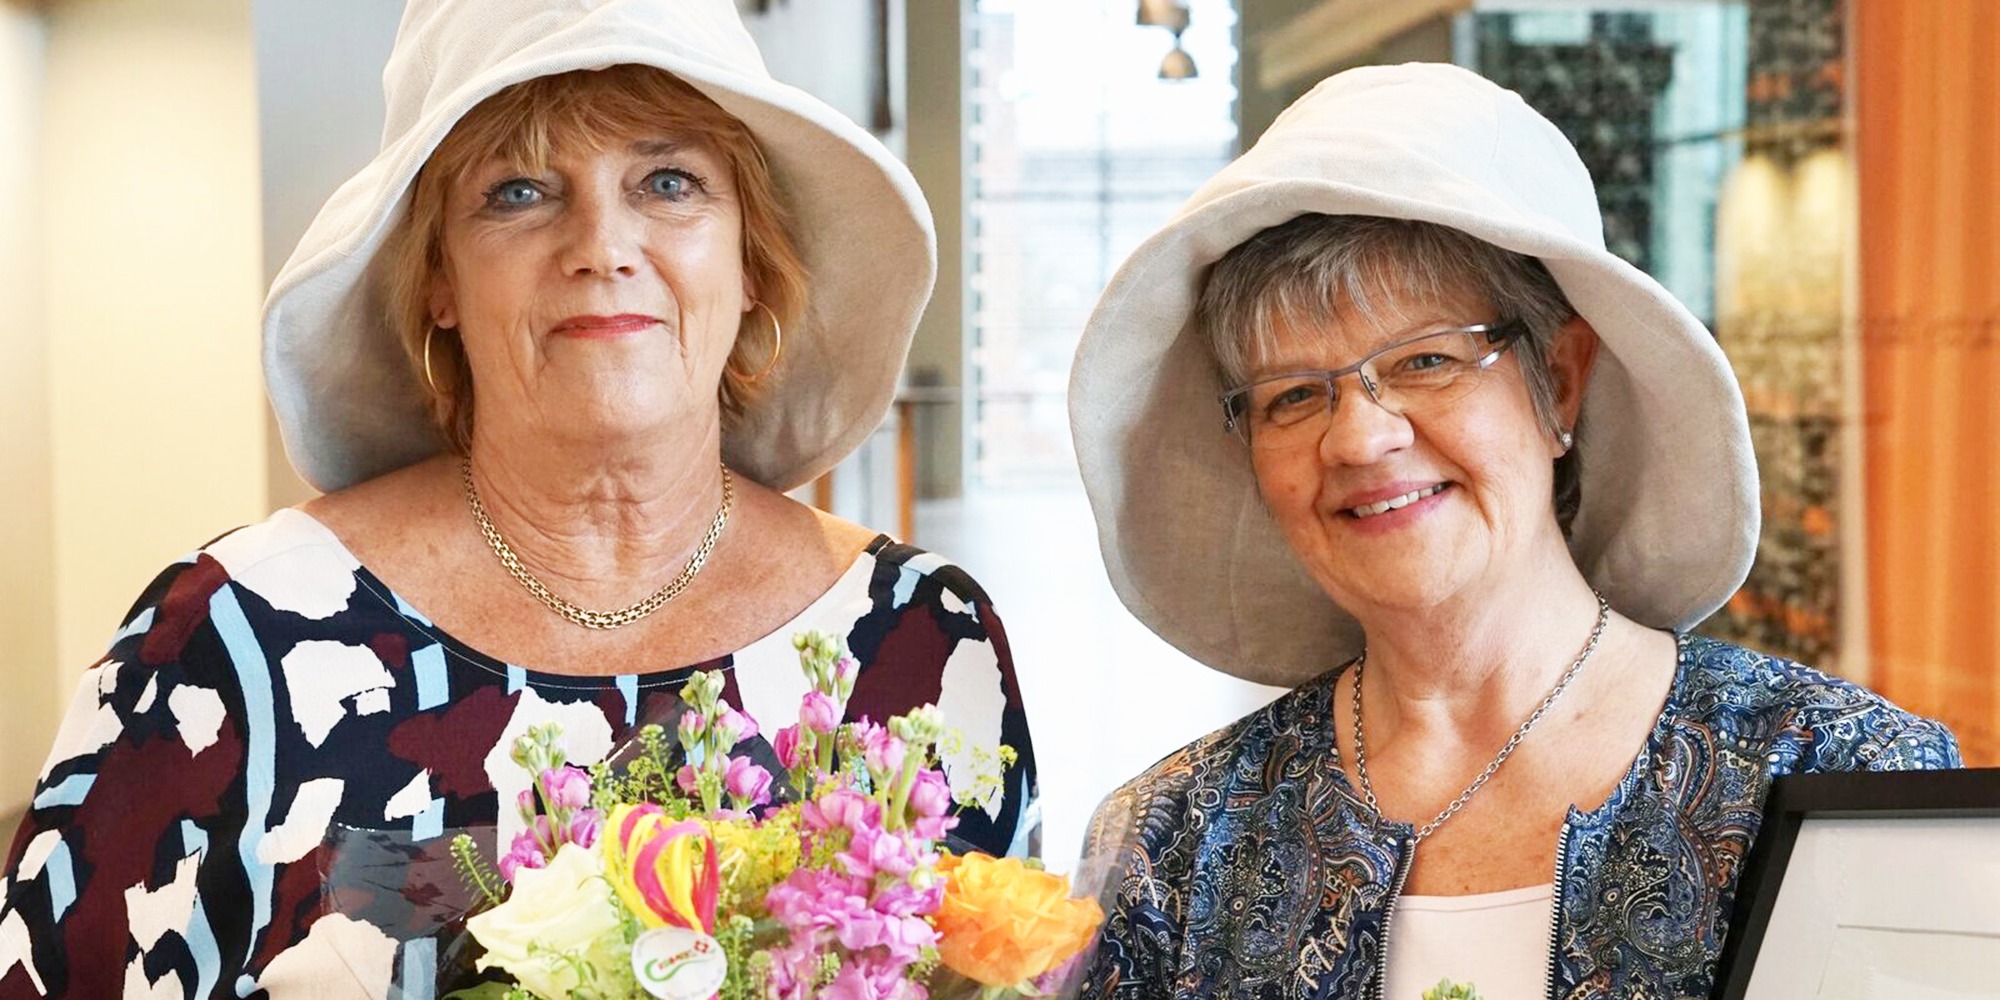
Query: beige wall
x,y
133,405
27,550
936,138
153,291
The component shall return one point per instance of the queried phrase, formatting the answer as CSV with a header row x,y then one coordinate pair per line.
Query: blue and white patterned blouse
x,y
1245,866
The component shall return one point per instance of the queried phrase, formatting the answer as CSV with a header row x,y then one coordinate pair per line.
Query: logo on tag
x,y
675,963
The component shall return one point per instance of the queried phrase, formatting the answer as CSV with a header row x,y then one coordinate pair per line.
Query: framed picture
x,y
1870,887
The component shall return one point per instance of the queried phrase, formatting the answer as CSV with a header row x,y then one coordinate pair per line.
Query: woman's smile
x,y
1392,507
604,327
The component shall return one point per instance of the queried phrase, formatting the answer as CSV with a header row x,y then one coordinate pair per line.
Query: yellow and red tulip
x,y
665,871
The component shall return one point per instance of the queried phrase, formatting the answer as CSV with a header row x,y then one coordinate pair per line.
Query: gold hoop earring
x,y
429,379
776,352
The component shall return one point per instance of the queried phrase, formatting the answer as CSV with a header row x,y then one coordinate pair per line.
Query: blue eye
x,y
515,192
1292,403
671,184
1296,396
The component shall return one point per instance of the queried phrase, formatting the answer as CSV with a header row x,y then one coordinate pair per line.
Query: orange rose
x,y
1003,923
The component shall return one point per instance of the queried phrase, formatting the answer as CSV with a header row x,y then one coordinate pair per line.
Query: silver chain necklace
x,y
1562,684
584,616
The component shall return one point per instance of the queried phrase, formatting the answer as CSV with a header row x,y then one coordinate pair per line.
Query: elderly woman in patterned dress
x,y
605,294
1471,480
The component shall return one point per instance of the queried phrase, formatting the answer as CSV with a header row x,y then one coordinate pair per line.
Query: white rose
x,y
555,914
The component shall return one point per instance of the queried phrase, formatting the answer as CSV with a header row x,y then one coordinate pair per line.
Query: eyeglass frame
x,y
1503,334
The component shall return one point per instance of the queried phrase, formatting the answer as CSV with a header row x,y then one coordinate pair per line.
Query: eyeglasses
x,y
1422,373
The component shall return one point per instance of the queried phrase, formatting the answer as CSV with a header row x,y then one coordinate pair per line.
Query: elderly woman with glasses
x,y
1472,480
556,355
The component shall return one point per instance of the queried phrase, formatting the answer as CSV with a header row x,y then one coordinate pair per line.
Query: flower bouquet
x,y
1448,990
675,875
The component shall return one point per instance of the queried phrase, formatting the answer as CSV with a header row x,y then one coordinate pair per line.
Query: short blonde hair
x,y
591,109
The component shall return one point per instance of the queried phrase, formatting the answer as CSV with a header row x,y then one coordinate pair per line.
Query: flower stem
x,y
899,797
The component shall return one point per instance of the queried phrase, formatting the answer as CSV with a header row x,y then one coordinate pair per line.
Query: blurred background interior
x,y
1815,178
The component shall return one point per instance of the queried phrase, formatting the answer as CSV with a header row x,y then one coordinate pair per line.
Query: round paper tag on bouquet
x,y
675,963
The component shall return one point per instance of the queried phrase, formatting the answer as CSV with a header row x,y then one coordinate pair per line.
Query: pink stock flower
x,y
930,794
930,805
902,939
874,852
811,900
567,787
905,938
526,801
861,729
933,827
685,778
692,725
873,978
819,713
747,782
791,971
584,827
842,808
795,968
786,743
735,727
824,909
845,669
883,751
525,853
851,984
905,900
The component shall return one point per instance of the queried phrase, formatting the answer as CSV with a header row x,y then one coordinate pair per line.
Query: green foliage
x,y
476,873
1448,990
648,778
755,858
736,936
489,991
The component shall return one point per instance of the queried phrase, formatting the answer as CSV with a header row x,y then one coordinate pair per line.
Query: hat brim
x,y
349,408
1669,517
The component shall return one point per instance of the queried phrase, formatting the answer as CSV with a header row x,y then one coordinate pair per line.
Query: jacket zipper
x,y
1379,982
1556,908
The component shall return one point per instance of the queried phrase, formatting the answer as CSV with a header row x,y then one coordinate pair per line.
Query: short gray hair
x,y
1304,271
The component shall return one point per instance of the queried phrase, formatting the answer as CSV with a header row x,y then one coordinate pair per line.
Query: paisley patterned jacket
x,y
1245,866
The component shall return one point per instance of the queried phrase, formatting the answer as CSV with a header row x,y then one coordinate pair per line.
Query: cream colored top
x,y
1496,941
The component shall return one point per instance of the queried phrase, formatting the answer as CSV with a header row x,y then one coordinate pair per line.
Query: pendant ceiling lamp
x,y
1172,15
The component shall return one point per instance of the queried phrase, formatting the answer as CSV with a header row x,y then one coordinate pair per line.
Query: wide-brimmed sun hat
x,y
1669,517
347,403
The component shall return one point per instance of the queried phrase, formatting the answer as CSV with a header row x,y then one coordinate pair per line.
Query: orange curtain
x,y
1927,139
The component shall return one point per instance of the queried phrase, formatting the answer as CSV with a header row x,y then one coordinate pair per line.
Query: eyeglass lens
x,y
1412,376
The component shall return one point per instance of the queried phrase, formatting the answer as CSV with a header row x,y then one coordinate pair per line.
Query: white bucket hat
x,y
347,403
1669,517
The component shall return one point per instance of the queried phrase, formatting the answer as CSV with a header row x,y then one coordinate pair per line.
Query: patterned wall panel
x,y
1783,229
1782,211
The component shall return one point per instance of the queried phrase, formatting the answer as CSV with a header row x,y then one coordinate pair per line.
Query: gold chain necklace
x,y
1562,684
584,616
